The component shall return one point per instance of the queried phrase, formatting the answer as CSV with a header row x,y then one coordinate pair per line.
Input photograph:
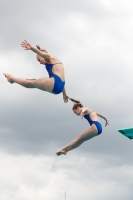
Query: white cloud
x,y
42,177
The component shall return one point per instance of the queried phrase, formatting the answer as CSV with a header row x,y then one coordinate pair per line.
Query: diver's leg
x,y
45,84
84,136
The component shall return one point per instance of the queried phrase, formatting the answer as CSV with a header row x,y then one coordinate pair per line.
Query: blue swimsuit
x,y
98,124
58,83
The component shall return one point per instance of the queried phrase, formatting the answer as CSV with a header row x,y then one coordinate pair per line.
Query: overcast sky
x,y
94,41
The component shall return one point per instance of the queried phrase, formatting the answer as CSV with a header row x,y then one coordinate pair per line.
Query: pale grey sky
x,y
93,39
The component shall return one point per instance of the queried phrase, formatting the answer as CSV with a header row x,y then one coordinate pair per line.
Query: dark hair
x,y
38,47
76,104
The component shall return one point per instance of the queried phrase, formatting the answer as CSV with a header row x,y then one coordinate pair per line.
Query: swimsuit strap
x,y
57,63
53,63
91,112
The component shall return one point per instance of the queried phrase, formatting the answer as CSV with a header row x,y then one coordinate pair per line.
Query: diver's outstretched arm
x,y
27,46
103,117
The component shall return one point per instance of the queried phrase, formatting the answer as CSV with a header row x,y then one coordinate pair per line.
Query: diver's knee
x,y
30,84
78,138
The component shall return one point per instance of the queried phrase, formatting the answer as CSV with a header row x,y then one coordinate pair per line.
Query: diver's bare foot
x,y
9,78
60,152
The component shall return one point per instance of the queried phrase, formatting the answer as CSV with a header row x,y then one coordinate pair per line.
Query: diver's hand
x,y
82,114
26,45
106,122
65,97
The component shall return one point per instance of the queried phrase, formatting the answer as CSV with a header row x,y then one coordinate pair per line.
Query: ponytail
x,y
38,47
77,103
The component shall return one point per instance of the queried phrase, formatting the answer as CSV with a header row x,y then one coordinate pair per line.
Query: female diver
x,y
54,84
94,130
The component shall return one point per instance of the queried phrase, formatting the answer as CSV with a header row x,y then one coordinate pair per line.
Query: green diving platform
x,y
128,132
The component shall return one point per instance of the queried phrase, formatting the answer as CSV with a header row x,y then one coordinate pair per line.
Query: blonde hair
x,y
38,47
77,104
